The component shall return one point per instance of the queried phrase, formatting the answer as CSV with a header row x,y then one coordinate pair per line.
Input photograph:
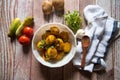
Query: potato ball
x,y
46,34
59,56
64,35
40,45
52,52
45,56
50,39
59,41
54,30
67,47
59,44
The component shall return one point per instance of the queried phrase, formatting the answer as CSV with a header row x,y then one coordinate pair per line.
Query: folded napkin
x,y
100,29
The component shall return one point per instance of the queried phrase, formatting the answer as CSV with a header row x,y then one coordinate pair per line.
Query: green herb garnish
x,y
42,44
73,20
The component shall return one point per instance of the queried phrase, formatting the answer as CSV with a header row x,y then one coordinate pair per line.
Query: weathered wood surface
x,y
18,63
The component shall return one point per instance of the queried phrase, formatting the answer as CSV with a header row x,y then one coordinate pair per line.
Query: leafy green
x,y
42,44
73,20
46,55
47,46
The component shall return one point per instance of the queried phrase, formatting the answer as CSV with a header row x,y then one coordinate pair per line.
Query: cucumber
x,y
27,22
13,27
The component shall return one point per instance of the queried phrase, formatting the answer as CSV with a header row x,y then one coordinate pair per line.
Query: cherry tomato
x,y
28,31
24,40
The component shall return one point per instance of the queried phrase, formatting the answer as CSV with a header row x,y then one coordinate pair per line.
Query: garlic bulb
x,y
80,33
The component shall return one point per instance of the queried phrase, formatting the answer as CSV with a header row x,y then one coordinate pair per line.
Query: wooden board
x,y
18,62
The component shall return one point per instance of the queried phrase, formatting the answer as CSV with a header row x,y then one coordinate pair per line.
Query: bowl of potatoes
x,y
54,45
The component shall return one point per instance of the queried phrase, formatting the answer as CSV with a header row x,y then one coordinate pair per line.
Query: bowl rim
x,y
53,23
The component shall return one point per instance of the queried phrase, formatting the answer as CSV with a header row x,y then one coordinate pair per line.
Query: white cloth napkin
x,y
100,28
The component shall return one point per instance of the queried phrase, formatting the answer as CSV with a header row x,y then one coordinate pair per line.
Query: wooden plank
x,y
1,43
38,71
11,47
117,60
22,65
106,75
82,4
116,56
94,76
17,64
112,60
56,73
117,6
7,47
70,72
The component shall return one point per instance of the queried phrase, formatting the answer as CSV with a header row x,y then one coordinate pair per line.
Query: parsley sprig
x,y
73,20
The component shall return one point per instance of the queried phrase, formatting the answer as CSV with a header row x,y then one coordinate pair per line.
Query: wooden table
x,y
18,63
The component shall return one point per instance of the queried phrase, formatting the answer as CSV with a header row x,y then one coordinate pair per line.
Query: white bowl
x,y
37,37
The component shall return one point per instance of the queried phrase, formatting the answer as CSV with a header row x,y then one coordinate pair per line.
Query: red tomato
x,y
24,40
28,31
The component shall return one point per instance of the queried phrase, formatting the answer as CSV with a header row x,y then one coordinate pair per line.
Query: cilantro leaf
x,y
73,20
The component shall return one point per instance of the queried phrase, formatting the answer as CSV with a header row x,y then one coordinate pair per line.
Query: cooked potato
x,y
46,34
59,56
45,57
40,45
64,36
54,30
52,52
67,47
59,44
50,39
54,44
59,41
47,7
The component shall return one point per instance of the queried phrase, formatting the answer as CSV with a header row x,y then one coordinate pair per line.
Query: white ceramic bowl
x,y
37,37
